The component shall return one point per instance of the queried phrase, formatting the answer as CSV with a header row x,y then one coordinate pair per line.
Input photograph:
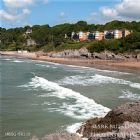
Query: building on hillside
x,y
75,36
108,34
30,42
83,36
118,34
29,31
72,34
99,35
125,33
66,36
91,36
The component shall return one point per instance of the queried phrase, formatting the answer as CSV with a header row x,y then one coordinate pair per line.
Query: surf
x,y
82,107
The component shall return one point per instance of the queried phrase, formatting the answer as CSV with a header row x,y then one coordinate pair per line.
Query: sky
x,y
17,13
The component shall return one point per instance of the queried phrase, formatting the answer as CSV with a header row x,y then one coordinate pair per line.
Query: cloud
x,y
17,9
109,12
7,16
18,3
127,9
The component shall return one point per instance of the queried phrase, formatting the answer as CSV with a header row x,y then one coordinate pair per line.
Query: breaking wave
x,y
47,66
74,127
129,95
18,61
95,80
78,68
75,106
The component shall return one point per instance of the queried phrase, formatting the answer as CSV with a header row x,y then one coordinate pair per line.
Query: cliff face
x,y
123,119
84,53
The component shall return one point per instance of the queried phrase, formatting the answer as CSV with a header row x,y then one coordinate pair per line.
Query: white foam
x,y
80,107
7,59
95,69
47,66
18,61
95,80
74,127
43,65
129,95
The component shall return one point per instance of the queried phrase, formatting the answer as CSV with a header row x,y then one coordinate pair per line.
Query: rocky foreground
x,y
122,123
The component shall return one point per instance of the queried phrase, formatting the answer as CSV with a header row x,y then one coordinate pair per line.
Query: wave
x,y
129,95
75,106
47,66
7,59
99,70
95,80
18,61
74,127
43,65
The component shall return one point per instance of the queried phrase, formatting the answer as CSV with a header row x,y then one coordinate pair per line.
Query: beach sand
x,y
123,64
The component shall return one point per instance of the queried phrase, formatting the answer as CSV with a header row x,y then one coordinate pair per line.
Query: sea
x,y
39,97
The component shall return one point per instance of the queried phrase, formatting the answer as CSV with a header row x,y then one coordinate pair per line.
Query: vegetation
x,y
53,38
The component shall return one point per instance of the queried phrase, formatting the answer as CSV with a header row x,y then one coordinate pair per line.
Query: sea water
x,y
39,98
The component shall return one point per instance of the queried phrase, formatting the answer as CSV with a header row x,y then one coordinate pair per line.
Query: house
x,y
118,34
72,34
125,33
91,36
108,34
66,36
83,36
99,35
28,31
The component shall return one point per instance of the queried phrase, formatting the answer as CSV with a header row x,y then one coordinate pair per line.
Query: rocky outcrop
x,y
123,119
81,53
84,53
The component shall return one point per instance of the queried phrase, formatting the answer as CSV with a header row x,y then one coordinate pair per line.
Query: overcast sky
x,y
15,13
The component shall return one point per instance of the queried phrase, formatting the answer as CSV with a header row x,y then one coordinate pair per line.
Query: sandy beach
x,y
127,64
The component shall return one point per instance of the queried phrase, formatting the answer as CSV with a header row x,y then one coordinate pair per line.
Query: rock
x,y
59,136
84,53
81,53
138,56
119,57
113,120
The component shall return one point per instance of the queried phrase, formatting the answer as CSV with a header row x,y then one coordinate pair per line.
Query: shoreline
x,y
102,64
